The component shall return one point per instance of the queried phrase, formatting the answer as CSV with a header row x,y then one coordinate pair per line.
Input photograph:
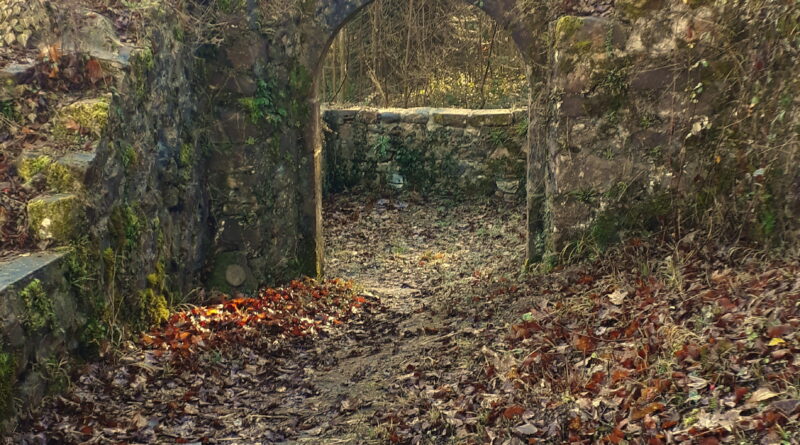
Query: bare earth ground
x,y
445,341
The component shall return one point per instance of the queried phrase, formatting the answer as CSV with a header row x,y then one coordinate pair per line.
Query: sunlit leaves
x,y
302,308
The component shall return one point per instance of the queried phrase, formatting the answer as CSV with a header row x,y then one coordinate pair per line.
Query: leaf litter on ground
x,y
443,340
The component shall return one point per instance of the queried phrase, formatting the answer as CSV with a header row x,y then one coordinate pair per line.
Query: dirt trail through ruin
x,y
414,262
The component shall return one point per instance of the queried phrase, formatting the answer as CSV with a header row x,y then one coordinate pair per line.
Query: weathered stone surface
x,y
654,79
490,118
34,333
435,159
92,34
235,275
19,268
416,115
55,218
450,118
16,73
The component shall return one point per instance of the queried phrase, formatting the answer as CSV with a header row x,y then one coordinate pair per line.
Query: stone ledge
x,y
26,266
448,117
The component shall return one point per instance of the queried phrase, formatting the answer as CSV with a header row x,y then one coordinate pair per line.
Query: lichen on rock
x,y
55,218
39,312
82,120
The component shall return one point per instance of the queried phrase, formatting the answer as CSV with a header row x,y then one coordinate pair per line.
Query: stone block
x,y
389,117
367,116
78,163
490,118
55,218
450,118
89,115
654,79
416,115
16,73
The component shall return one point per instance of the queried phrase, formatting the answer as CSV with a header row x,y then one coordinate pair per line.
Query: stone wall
x,y
445,152
41,322
678,115
258,166
123,207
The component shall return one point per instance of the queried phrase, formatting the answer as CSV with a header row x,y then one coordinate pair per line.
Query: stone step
x,y
21,268
78,163
63,174
17,73
55,218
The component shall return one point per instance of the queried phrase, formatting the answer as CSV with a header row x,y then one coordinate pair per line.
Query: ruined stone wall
x,y
674,115
258,93
148,201
123,208
444,152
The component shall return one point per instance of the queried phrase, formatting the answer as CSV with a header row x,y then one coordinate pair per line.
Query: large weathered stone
x,y
448,160
450,118
55,218
490,118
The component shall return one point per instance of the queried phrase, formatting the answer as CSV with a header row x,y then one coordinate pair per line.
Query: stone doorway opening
x,y
372,132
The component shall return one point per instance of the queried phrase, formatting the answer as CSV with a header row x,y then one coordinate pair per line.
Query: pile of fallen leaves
x,y
210,374
303,308
698,351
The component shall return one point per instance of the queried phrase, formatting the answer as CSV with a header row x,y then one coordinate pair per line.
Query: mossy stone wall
x,y
453,153
42,327
674,115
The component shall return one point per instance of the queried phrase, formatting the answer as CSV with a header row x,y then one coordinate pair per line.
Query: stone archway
x,y
330,17
265,149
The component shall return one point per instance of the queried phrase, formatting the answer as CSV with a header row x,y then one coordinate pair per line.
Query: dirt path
x,y
418,261
446,343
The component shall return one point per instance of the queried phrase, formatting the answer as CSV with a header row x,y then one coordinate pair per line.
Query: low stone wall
x,y
41,322
447,152
121,202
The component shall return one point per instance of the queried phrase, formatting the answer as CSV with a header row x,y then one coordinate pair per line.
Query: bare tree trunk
x,y
488,65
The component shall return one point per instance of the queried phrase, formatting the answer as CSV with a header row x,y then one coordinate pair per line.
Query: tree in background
x,y
424,52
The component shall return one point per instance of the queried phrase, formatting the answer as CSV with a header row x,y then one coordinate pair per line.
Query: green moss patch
x,y
153,301
55,217
81,121
567,26
39,312
125,227
59,178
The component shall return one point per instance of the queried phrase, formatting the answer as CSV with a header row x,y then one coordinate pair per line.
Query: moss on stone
x,y
567,26
81,119
30,167
58,177
8,377
125,227
153,307
39,312
142,63
153,300
152,280
128,154
55,217
186,155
